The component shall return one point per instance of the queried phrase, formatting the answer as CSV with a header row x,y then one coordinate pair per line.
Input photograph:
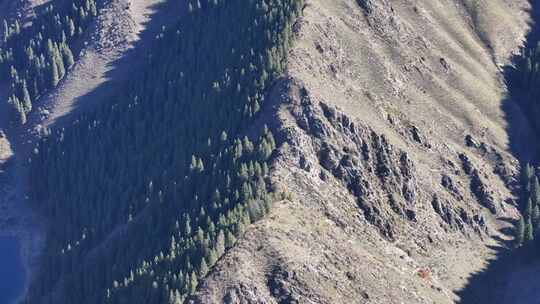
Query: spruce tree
x,y
526,174
5,31
71,28
519,232
26,100
59,61
54,75
67,55
212,257
535,191
203,268
16,28
527,213
529,231
220,243
193,281
535,216
162,118
229,239
17,109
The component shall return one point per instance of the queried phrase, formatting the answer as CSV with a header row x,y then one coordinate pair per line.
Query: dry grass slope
x,y
411,77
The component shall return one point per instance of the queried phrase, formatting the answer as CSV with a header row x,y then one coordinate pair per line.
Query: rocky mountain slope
x,y
397,156
395,152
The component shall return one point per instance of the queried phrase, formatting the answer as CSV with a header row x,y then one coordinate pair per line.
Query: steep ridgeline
x,y
33,58
147,192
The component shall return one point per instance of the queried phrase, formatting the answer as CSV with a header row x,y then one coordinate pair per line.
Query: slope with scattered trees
x,y
145,193
524,79
34,58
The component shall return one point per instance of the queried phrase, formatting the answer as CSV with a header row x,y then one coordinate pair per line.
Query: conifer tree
x,y
193,281
526,174
220,243
54,74
71,28
5,31
212,257
529,231
17,109
535,216
520,232
535,191
527,213
26,100
67,55
229,239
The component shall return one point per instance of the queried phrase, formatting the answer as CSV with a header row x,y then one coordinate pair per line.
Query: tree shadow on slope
x,y
161,16
490,284
522,126
22,137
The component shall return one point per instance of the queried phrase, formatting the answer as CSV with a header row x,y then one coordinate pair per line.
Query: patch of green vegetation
x,y
147,192
34,58
528,225
524,82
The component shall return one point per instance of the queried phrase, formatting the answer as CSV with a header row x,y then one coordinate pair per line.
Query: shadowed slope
x,y
510,277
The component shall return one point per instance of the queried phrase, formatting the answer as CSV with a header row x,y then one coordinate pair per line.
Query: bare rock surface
x,y
395,153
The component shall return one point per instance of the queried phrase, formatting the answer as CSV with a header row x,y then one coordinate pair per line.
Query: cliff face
x,y
396,153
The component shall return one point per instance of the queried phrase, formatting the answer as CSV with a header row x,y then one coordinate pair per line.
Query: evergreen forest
x,y
35,57
145,193
524,83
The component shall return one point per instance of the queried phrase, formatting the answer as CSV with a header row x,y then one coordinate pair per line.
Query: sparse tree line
x,y
35,57
528,225
524,82
145,193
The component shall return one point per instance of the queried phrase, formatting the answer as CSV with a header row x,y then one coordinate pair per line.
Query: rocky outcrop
x,y
458,218
477,185
389,199
380,176
500,165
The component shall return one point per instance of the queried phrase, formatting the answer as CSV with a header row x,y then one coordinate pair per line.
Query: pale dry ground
x,y
431,64
395,69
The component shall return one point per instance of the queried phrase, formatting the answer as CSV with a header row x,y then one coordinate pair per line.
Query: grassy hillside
x,y
145,193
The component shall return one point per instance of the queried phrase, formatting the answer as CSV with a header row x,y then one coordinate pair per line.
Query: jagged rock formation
x,y
395,154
